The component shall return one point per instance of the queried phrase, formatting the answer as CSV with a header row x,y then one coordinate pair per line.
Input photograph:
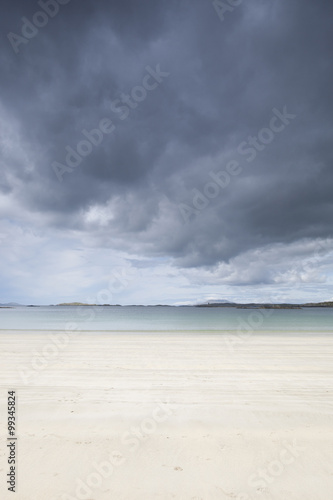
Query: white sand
x,y
255,422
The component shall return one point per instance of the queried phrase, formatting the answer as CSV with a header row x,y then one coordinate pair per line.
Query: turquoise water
x,y
132,318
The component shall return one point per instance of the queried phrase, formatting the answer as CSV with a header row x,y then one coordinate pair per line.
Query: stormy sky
x,y
166,152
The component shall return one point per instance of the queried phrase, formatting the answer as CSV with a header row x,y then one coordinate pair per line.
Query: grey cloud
x,y
225,79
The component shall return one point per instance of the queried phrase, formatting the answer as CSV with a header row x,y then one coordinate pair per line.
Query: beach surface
x,y
138,416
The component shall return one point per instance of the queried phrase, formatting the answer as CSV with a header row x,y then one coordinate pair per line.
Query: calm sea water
x,y
315,320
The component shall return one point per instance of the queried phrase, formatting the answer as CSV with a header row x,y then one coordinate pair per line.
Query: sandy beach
x,y
137,416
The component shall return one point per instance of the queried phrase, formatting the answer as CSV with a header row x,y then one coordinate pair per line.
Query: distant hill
x,y
11,304
67,304
219,303
318,304
267,306
75,304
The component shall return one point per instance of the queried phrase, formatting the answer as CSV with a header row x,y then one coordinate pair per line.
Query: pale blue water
x,y
314,320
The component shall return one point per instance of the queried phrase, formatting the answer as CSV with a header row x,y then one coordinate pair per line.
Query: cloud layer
x,y
186,97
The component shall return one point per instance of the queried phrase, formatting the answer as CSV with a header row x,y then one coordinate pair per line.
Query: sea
x,y
168,319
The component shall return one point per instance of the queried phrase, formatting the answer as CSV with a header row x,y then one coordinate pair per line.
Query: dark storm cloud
x,y
224,80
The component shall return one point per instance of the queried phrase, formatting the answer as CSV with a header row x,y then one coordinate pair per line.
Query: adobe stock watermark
x,y
248,149
58,341
247,327
225,7
251,324
130,442
257,316
30,28
265,476
302,269
122,107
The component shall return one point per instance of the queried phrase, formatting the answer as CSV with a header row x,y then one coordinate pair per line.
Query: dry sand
x,y
159,416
